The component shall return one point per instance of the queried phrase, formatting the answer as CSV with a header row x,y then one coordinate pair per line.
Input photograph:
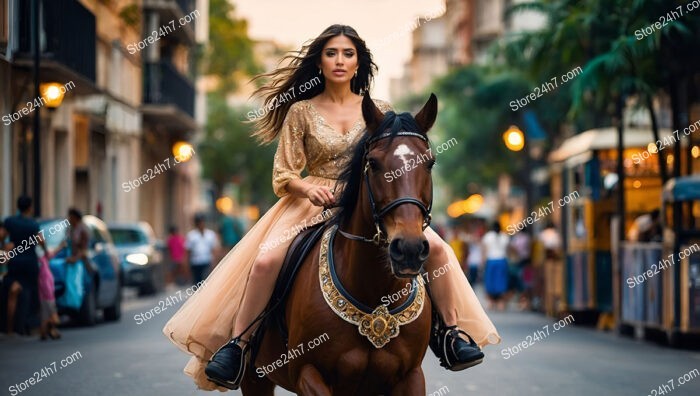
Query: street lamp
x,y
53,94
468,206
183,151
514,138
515,141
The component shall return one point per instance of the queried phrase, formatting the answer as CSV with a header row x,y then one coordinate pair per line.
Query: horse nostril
x,y
395,250
425,251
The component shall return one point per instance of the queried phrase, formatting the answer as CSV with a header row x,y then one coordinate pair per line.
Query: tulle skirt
x,y
205,321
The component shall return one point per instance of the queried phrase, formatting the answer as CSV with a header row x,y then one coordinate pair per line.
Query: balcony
x,y
67,41
168,96
173,10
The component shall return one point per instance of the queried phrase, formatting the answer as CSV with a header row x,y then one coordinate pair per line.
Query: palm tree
x,y
600,36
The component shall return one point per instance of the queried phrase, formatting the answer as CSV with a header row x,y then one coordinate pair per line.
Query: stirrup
x,y
238,378
442,339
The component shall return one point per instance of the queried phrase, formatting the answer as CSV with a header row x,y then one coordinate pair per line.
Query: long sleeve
x,y
290,158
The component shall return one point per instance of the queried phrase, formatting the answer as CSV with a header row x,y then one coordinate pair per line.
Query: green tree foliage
x,y
597,35
619,60
230,48
229,153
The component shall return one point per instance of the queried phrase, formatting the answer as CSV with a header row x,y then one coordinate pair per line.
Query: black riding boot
x,y
454,352
227,366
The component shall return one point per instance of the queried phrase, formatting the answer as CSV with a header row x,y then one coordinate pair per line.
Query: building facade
x,y
130,96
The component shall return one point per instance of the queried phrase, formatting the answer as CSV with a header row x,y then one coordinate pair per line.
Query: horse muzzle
x,y
407,256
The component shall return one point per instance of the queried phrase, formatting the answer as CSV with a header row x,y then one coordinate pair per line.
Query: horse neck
x,y
364,267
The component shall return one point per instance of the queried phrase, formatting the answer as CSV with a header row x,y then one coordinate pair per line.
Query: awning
x,y
686,188
603,139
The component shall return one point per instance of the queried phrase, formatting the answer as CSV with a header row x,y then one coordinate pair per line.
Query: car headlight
x,y
137,258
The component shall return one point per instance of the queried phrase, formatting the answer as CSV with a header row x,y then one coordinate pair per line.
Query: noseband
x,y
379,237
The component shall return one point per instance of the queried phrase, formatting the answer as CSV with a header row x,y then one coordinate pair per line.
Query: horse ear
x,y
427,115
371,113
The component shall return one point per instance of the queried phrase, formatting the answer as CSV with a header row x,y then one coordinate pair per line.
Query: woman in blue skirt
x,y
495,248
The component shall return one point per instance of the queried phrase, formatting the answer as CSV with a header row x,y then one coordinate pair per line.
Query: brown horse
x,y
378,352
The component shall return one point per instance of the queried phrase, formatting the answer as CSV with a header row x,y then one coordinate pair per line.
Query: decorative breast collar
x,y
379,325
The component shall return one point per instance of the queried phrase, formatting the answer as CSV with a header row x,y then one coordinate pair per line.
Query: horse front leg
x,y
255,386
413,384
311,383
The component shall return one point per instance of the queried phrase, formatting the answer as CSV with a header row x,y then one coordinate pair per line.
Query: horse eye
x,y
373,164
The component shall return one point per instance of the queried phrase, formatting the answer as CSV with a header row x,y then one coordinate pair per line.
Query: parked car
x,y
103,287
140,255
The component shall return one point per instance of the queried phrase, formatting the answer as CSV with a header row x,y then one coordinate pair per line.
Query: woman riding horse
x,y
367,251
318,130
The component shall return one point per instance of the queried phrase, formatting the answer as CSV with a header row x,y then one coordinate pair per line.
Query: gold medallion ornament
x,y
379,326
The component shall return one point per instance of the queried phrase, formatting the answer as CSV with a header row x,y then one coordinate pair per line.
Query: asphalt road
x,y
127,358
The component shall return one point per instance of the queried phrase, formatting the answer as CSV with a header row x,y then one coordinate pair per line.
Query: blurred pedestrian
x,y
79,239
49,313
20,285
77,261
647,228
495,246
177,271
4,242
522,270
458,246
231,231
475,258
551,240
202,245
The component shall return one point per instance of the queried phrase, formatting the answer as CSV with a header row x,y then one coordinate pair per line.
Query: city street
x,y
546,150
126,358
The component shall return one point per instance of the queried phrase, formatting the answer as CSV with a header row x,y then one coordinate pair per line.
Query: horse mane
x,y
351,175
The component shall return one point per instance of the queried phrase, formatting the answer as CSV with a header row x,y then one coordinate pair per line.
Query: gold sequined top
x,y
308,141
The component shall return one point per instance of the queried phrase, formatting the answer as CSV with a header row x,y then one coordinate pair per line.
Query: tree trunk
x,y
655,130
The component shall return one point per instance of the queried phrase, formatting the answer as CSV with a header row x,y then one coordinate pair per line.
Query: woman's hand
x,y
320,196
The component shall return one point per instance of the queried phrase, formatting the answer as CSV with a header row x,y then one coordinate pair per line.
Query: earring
x,y
319,71
355,73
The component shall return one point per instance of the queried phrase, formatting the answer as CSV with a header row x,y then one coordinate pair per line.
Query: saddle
x,y
274,313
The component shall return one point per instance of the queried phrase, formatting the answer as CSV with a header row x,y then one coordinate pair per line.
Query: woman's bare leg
x,y
261,282
440,292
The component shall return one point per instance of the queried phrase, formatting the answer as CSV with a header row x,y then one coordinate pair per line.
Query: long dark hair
x,y
351,176
302,69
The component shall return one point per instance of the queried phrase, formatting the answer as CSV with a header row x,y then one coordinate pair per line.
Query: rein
x,y
379,237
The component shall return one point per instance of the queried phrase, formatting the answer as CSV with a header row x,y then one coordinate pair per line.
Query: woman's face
x,y
339,60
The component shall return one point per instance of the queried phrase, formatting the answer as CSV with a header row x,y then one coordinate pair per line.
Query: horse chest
x,y
364,364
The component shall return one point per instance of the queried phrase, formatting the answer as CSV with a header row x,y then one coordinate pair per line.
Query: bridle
x,y
379,237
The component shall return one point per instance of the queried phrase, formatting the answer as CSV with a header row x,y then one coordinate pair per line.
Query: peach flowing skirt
x,y
205,321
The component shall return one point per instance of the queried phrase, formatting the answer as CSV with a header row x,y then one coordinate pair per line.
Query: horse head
x,y
393,183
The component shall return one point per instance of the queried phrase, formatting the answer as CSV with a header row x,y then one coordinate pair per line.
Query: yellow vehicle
x,y
587,164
